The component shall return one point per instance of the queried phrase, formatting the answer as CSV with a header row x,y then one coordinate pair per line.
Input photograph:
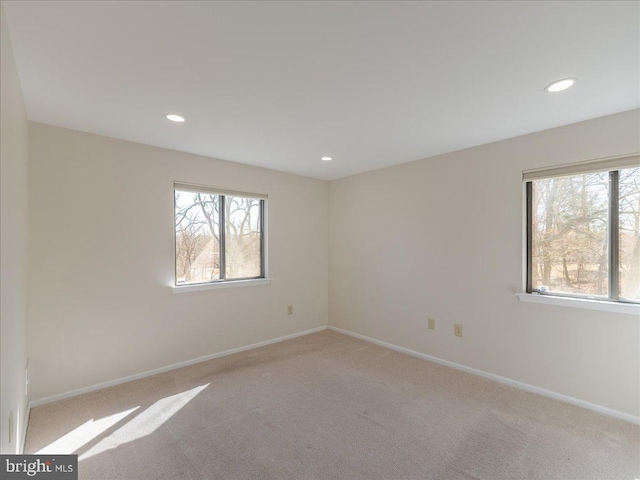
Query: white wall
x,y
436,238
442,238
14,157
101,261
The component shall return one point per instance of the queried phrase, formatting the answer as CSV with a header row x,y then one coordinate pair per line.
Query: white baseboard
x,y
186,363
497,378
506,381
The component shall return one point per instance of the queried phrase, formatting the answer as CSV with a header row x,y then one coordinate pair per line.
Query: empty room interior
x,y
320,240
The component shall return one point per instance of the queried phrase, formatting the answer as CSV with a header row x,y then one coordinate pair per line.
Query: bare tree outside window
x,y
217,237
584,235
243,237
197,237
570,241
629,198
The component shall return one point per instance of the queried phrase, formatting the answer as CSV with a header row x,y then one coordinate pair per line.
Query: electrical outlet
x,y
432,324
289,309
457,330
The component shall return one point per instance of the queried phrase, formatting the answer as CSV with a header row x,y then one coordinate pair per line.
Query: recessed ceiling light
x,y
561,85
326,159
174,117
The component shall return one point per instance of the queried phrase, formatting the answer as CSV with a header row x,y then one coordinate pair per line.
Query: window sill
x,y
628,308
215,286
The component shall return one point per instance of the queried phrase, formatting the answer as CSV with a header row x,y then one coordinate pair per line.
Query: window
x,y
583,230
219,235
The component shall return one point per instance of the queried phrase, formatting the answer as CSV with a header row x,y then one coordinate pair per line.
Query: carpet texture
x,y
328,406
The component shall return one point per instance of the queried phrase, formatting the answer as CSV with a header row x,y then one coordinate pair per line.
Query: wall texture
x,y
437,238
101,261
442,238
14,157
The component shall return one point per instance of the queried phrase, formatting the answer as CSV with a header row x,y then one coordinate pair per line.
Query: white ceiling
x,y
279,84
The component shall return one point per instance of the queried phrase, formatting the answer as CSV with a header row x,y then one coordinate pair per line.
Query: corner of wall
x,y
14,158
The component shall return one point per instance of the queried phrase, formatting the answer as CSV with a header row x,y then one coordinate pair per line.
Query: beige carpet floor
x,y
328,406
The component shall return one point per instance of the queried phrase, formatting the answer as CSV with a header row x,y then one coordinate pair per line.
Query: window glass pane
x,y
629,188
242,237
197,222
569,234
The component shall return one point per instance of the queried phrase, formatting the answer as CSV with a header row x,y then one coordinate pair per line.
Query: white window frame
x,y
611,303
263,279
